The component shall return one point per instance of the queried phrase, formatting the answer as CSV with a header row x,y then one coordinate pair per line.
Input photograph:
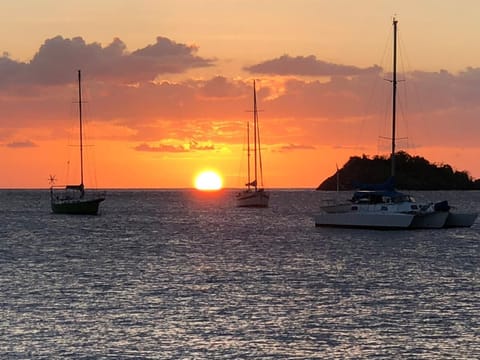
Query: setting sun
x,y
208,180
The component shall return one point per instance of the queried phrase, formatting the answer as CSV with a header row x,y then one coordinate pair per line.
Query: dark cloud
x,y
167,56
293,147
307,66
194,145
161,148
21,144
11,72
59,57
167,148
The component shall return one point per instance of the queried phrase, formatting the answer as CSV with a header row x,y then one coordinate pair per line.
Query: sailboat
x,y
380,206
254,195
73,199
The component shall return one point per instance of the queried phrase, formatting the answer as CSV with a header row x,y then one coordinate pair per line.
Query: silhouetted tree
x,y
412,173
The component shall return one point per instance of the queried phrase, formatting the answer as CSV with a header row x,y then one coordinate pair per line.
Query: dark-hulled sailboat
x,y
73,199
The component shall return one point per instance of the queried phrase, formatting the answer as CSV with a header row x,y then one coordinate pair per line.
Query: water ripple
x,y
182,274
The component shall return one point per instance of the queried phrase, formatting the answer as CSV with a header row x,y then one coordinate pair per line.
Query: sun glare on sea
x,y
208,180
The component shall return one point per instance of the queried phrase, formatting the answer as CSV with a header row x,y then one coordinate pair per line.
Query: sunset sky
x,y
168,87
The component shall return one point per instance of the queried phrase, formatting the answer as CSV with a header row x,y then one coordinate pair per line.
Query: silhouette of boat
x,y
254,195
380,206
73,199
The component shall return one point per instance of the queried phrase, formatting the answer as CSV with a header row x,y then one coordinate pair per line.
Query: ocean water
x,y
186,275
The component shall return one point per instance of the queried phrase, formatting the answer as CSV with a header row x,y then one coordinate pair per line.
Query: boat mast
x,y
81,127
255,131
259,152
394,95
248,156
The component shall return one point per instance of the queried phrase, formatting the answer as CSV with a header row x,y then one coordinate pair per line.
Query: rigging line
x,y
386,122
67,172
88,133
402,101
71,129
403,117
240,179
412,89
259,153
386,66
370,111
257,129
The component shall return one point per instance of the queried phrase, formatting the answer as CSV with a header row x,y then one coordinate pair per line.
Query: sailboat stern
x,y
73,200
77,207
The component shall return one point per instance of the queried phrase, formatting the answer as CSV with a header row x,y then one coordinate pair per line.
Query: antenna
x,y
52,179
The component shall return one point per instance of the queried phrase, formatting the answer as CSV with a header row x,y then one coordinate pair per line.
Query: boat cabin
x,y
380,197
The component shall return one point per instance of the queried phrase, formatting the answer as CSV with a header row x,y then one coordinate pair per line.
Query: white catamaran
x,y
381,206
254,195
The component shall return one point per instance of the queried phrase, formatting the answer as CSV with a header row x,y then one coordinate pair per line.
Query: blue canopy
x,y
387,185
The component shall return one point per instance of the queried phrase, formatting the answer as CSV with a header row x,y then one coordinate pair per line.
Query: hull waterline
x,y
460,219
365,220
253,199
77,207
430,220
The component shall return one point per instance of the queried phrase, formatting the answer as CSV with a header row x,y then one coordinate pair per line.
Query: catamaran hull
x,y
460,219
429,220
253,199
77,207
337,208
365,220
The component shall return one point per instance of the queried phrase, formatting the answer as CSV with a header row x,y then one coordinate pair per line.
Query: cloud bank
x,y
58,57
127,90
307,66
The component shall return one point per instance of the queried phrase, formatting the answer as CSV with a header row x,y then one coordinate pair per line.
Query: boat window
x,y
384,208
414,207
354,208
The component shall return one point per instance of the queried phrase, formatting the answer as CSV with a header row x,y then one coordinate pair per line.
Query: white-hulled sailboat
x,y
254,195
73,199
381,206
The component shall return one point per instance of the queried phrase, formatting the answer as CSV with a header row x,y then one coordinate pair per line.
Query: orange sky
x,y
168,87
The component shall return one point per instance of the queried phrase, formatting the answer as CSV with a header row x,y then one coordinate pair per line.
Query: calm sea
x,y
186,275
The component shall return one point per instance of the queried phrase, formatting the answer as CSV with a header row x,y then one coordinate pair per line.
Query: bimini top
x,y
380,196
379,193
387,185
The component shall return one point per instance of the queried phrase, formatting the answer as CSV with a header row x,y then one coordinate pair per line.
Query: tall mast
x,y
248,155
255,130
394,94
81,126
259,152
